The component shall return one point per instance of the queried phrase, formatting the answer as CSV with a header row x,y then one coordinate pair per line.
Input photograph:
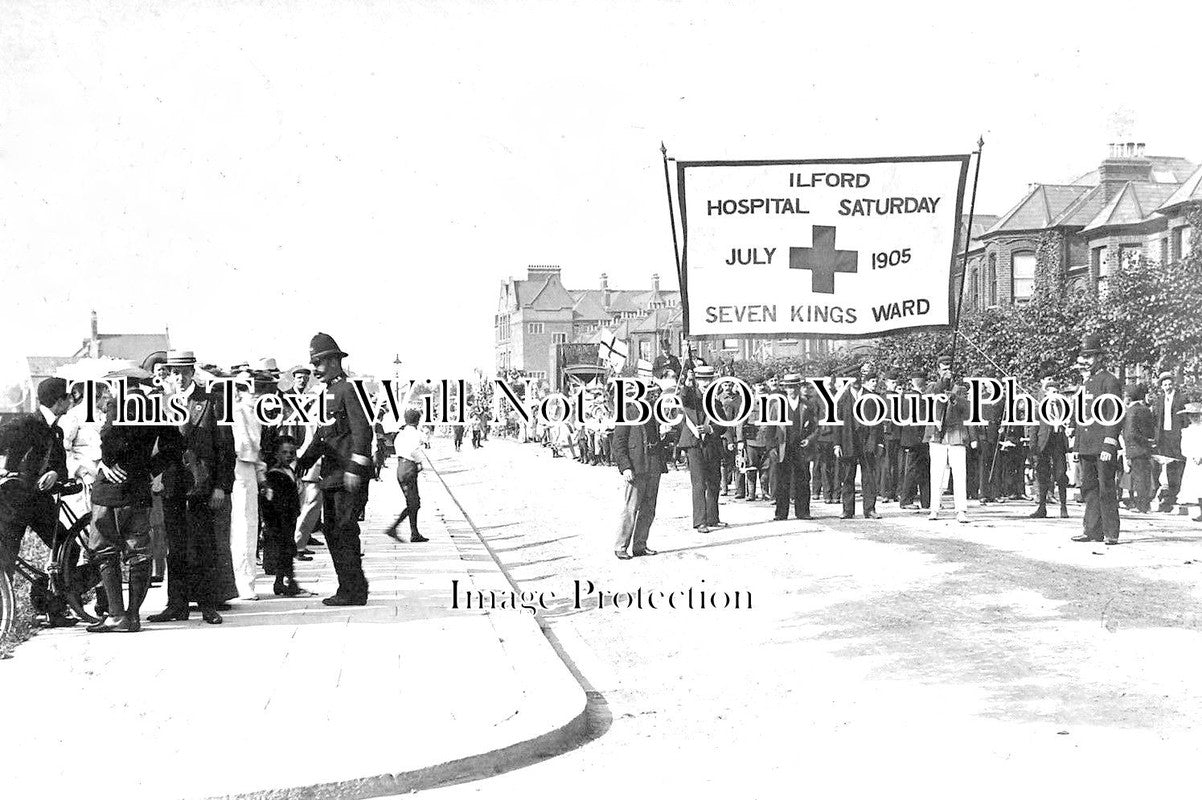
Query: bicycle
x,y
70,574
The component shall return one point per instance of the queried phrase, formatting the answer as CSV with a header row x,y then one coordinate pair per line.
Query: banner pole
x,y
972,207
663,149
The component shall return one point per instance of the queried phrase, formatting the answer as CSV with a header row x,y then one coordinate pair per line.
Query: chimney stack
x,y
1127,162
604,281
655,281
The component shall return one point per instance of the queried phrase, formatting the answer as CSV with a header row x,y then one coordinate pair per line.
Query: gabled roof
x,y
657,320
550,295
588,306
1082,210
1188,192
1042,204
132,346
1135,203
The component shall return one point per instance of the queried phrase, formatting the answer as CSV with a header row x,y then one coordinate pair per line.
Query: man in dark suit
x,y
665,361
1097,447
1169,423
857,447
888,463
795,448
989,467
344,447
702,445
640,453
195,488
32,461
1139,432
1049,443
916,467
826,438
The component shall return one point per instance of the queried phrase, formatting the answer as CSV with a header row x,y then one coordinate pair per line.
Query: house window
x,y
972,288
1129,255
534,327
991,279
1022,274
730,344
559,338
1180,242
645,350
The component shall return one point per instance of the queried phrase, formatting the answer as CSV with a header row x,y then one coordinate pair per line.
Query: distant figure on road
x,y
409,445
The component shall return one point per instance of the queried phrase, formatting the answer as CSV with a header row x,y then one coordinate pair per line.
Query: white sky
x,y
250,173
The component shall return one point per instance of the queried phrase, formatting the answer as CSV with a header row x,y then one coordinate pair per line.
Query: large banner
x,y
844,247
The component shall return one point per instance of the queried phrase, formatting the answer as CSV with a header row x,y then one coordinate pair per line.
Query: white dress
x,y
1191,479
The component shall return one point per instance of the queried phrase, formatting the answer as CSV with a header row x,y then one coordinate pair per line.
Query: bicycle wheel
x,y
8,605
77,576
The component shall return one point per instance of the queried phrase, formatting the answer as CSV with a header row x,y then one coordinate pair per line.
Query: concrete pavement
x,y
931,659
290,698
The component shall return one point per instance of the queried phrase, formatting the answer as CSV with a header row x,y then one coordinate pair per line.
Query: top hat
x,y
1091,345
154,359
181,358
791,379
703,372
323,345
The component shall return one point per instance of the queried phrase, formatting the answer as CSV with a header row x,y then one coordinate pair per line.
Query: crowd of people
x,y
209,505
1151,460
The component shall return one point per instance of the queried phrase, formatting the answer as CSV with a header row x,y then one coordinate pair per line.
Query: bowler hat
x,y
181,358
1091,345
51,390
323,345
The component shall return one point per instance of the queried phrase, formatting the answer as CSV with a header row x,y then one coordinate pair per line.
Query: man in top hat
x,y
665,361
1169,423
857,447
1097,446
195,488
640,452
795,447
32,462
702,445
344,447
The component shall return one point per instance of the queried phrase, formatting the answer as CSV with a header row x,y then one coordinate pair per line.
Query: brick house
x,y
1068,238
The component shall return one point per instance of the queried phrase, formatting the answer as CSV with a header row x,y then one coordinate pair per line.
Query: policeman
x,y
1097,445
344,447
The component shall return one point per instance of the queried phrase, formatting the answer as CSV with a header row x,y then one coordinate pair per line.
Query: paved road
x,y
952,659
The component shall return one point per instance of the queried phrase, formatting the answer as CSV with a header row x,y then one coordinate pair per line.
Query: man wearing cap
x,y
32,461
796,443
857,447
828,477
640,454
310,494
702,446
948,439
1049,443
915,459
1097,446
1169,423
344,447
195,488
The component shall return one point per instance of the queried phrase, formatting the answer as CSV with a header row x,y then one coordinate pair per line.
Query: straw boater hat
x,y
154,359
1191,409
704,372
181,358
323,345
791,379
1166,376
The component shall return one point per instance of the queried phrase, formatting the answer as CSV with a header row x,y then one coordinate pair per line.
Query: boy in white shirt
x,y
409,445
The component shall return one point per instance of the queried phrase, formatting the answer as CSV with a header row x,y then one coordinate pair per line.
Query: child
x,y
409,445
1191,448
280,508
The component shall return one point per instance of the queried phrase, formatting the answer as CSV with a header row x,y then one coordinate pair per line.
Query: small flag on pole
x,y
613,350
